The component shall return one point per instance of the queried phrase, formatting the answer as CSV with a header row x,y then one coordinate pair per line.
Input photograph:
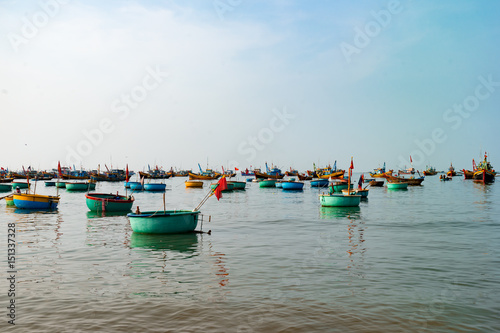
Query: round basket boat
x,y
164,222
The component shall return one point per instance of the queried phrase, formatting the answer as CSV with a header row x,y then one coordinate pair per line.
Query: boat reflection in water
x,y
340,212
183,243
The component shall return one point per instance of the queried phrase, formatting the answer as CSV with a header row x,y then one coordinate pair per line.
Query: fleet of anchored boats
x,y
341,192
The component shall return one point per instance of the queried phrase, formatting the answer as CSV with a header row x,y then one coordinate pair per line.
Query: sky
x,y
238,83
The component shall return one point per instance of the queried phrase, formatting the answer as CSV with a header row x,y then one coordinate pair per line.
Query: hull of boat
x,y
9,201
376,183
278,184
238,185
304,177
136,186
339,187
35,201
262,175
319,182
155,187
292,186
485,176
50,183
168,222
268,183
60,184
468,174
64,176
193,183
430,173
339,200
101,202
409,181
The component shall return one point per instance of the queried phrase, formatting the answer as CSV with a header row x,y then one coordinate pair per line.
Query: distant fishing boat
x,y
247,173
410,181
485,172
304,177
102,202
380,172
451,171
292,185
35,201
376,183
430,171
208,176
164,222
271,173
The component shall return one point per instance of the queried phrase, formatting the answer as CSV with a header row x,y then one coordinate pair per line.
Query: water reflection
x,y
98,214
184,243
340,212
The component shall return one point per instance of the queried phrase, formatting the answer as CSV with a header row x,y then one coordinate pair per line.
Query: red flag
x,y
59,171
235,168
222,185
352,164
126,173
411,160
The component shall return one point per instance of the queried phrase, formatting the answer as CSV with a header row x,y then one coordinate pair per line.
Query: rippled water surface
x,y
424,259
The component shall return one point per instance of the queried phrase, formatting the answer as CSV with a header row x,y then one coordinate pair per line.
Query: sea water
x,y
424,259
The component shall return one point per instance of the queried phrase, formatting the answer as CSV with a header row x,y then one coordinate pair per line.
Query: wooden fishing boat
x,y
409,181
155,187
304,177
468,174
164,222
102,202
5,187
267,183
430,171
376,183
196,176
292,173
75,177
238,185
21,185
6,180
264,175
193,183
485,172
319,182
451,171
35,201
333,175
80,186
292,186
380,172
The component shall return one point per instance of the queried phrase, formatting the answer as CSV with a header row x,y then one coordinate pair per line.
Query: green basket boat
x,y
83,186
339,200
5,187
102,202
20,185
230,187
238,185
397,186
164,222
267,183
60,184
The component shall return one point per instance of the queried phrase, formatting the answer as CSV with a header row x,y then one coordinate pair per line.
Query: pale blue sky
x,y
240,83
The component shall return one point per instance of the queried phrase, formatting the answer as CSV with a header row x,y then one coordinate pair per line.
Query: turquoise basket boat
x,y
136,186
35,201
50,183
267,183
292,186
101,202
5,187
21,185
339,200
155,187
319,182
81,186
278,184
60,184
238,185
397,186
164,222
338,187
230,187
